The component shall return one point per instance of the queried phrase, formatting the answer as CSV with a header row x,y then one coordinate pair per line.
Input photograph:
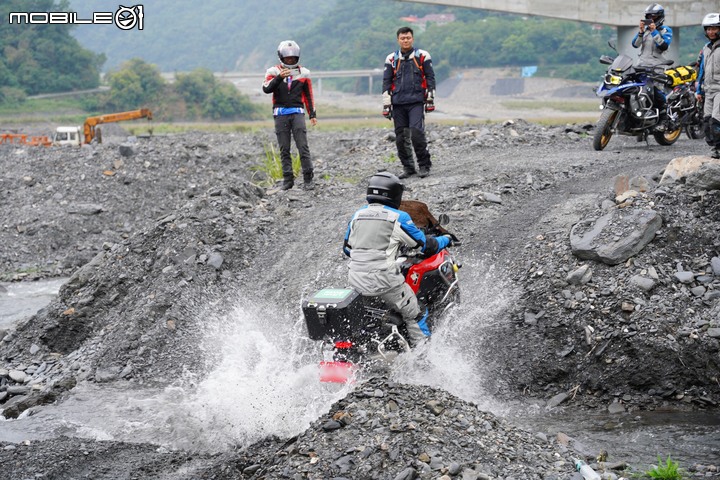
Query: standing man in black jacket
x,y
409,92
292,92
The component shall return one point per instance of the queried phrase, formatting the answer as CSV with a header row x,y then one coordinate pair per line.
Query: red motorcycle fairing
x,y
415,273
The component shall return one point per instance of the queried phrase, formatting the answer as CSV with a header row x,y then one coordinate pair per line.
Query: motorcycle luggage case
x,y
334,312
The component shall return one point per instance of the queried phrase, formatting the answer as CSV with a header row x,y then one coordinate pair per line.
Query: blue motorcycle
x,y
627,103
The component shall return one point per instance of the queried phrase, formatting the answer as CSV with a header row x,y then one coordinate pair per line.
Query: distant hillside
x,y
181,35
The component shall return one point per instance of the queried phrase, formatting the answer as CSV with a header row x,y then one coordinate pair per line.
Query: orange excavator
x,y
71,135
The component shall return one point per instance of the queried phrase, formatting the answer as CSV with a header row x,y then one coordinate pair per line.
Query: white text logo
x,y
125,18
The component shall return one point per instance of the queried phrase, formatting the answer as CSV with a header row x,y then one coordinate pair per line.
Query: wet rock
x,y
616,407
557,400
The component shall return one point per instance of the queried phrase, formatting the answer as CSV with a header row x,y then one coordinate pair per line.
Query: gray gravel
x,y
155,231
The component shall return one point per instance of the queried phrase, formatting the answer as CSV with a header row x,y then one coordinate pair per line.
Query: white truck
x,y
67,136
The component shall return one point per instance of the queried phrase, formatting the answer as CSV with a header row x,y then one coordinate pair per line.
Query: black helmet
x,y
656,12
385,188
288,48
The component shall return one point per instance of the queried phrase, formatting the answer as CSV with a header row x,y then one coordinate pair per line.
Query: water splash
x,y
267,382
453,359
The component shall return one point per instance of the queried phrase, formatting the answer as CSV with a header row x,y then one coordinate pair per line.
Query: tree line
x,y
349,35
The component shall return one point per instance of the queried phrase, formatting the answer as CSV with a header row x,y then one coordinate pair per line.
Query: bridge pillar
x,y
625,36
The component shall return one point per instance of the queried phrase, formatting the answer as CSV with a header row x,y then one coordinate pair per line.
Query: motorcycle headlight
x,y
612,79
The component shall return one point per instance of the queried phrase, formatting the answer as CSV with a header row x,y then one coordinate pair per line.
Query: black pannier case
x,y
334,312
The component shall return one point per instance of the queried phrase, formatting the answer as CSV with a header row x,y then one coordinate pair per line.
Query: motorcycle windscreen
x,y
621,63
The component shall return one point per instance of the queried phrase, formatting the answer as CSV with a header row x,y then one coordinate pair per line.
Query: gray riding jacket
x,y
653,46
372,241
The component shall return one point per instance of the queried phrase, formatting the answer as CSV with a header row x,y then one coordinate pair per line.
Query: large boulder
x,y
616,236
707,177
679,168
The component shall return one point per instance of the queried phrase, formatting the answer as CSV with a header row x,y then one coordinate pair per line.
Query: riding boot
x,y
308,183
288,183
418,329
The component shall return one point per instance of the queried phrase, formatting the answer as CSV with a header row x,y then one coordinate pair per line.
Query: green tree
x,y
574,47
134,85
44,58
226,102
196,86
205,96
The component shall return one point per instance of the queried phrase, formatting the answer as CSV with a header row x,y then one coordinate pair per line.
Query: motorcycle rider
x,y
653,40
708,85
372,241
291,87
409,92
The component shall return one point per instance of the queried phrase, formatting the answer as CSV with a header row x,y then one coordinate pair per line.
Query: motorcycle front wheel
x,y
694,131
667,138
603,129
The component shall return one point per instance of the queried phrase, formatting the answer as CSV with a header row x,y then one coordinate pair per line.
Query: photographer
x,y
653,40
292,97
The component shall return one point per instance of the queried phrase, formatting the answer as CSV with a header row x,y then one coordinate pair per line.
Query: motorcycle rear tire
x,y
603,129
667,138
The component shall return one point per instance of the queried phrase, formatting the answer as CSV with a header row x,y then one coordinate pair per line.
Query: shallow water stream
x,y
259,390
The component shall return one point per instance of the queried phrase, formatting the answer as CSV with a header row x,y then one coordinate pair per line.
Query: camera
x,y
647,21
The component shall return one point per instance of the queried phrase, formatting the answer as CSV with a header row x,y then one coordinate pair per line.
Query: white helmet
x,y
288,48
711,20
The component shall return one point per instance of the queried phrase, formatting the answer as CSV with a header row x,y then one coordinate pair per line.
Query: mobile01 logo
x,y
125,18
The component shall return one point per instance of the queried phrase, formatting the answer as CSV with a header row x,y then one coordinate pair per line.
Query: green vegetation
x,y
195,95
181,35
270,170
665,471
42,58
333,34
559,105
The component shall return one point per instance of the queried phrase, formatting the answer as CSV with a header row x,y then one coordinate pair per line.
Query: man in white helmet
x,y
708,85
292,97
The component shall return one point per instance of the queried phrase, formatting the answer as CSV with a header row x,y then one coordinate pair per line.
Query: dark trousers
x,y
410,119
285,127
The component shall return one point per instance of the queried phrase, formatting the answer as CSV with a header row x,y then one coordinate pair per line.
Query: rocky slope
x,y
158,234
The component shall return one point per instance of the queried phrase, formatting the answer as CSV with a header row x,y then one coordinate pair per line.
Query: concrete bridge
x,y
623,14
317,76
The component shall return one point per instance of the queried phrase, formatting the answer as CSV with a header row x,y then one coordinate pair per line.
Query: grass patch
x,y
668,470
167,128
333,111
559,105
36,106
270,170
